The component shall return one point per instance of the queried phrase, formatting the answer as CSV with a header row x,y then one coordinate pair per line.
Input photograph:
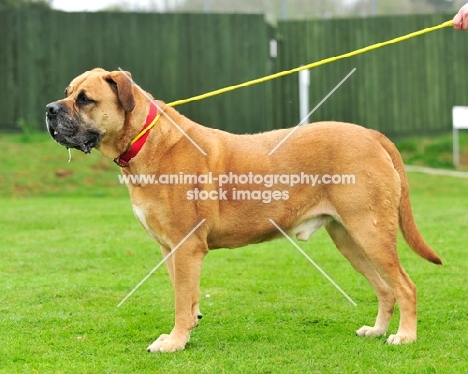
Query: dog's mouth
x,y
69,131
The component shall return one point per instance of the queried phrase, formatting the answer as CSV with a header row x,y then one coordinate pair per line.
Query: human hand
x,y
460,21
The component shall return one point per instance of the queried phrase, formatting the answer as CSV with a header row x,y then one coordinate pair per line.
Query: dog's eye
x,y
82,99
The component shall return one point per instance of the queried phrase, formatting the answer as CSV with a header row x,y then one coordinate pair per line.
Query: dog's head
x,y
93,110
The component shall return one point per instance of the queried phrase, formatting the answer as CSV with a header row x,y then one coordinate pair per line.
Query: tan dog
x,y
360,193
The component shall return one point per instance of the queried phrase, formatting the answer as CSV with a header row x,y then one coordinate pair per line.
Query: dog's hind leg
x,y
186,266
355,256
377,239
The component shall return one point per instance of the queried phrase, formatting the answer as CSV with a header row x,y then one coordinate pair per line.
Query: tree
x,y
278,8
293,9
442,5
25,4
364,7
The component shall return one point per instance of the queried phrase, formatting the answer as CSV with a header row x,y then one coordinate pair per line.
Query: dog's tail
x,y
407,225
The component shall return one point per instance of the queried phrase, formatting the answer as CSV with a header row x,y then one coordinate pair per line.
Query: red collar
x,y
139,141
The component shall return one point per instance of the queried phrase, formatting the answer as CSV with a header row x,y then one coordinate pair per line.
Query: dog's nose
x,y
53,109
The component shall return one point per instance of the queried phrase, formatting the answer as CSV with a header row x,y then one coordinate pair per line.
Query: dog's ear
x,y
123,85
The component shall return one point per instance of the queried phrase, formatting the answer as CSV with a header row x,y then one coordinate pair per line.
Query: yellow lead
x,y
312,65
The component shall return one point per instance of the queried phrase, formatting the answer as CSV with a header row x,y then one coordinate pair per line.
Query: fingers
x,y
457,21
460,21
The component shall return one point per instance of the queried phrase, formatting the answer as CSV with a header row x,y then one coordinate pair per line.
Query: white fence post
x,y
460,121
304,83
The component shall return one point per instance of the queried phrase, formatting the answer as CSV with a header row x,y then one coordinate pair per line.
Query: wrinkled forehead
x,y
81,81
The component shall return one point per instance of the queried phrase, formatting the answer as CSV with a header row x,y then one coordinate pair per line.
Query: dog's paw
x,y
166,343
370,332
397,339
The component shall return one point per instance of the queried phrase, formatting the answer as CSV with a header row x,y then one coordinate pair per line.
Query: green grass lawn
x,y
72,250
436,152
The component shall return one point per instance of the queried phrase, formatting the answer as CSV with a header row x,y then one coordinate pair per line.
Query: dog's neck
x,y
162,137
138,141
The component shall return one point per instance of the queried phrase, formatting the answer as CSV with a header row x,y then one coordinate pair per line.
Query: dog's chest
x,y
141,216
148,223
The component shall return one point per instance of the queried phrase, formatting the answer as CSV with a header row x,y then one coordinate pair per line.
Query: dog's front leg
x,y
186,271
170,268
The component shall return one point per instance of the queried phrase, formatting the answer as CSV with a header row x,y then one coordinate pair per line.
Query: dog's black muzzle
x,y
69,130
